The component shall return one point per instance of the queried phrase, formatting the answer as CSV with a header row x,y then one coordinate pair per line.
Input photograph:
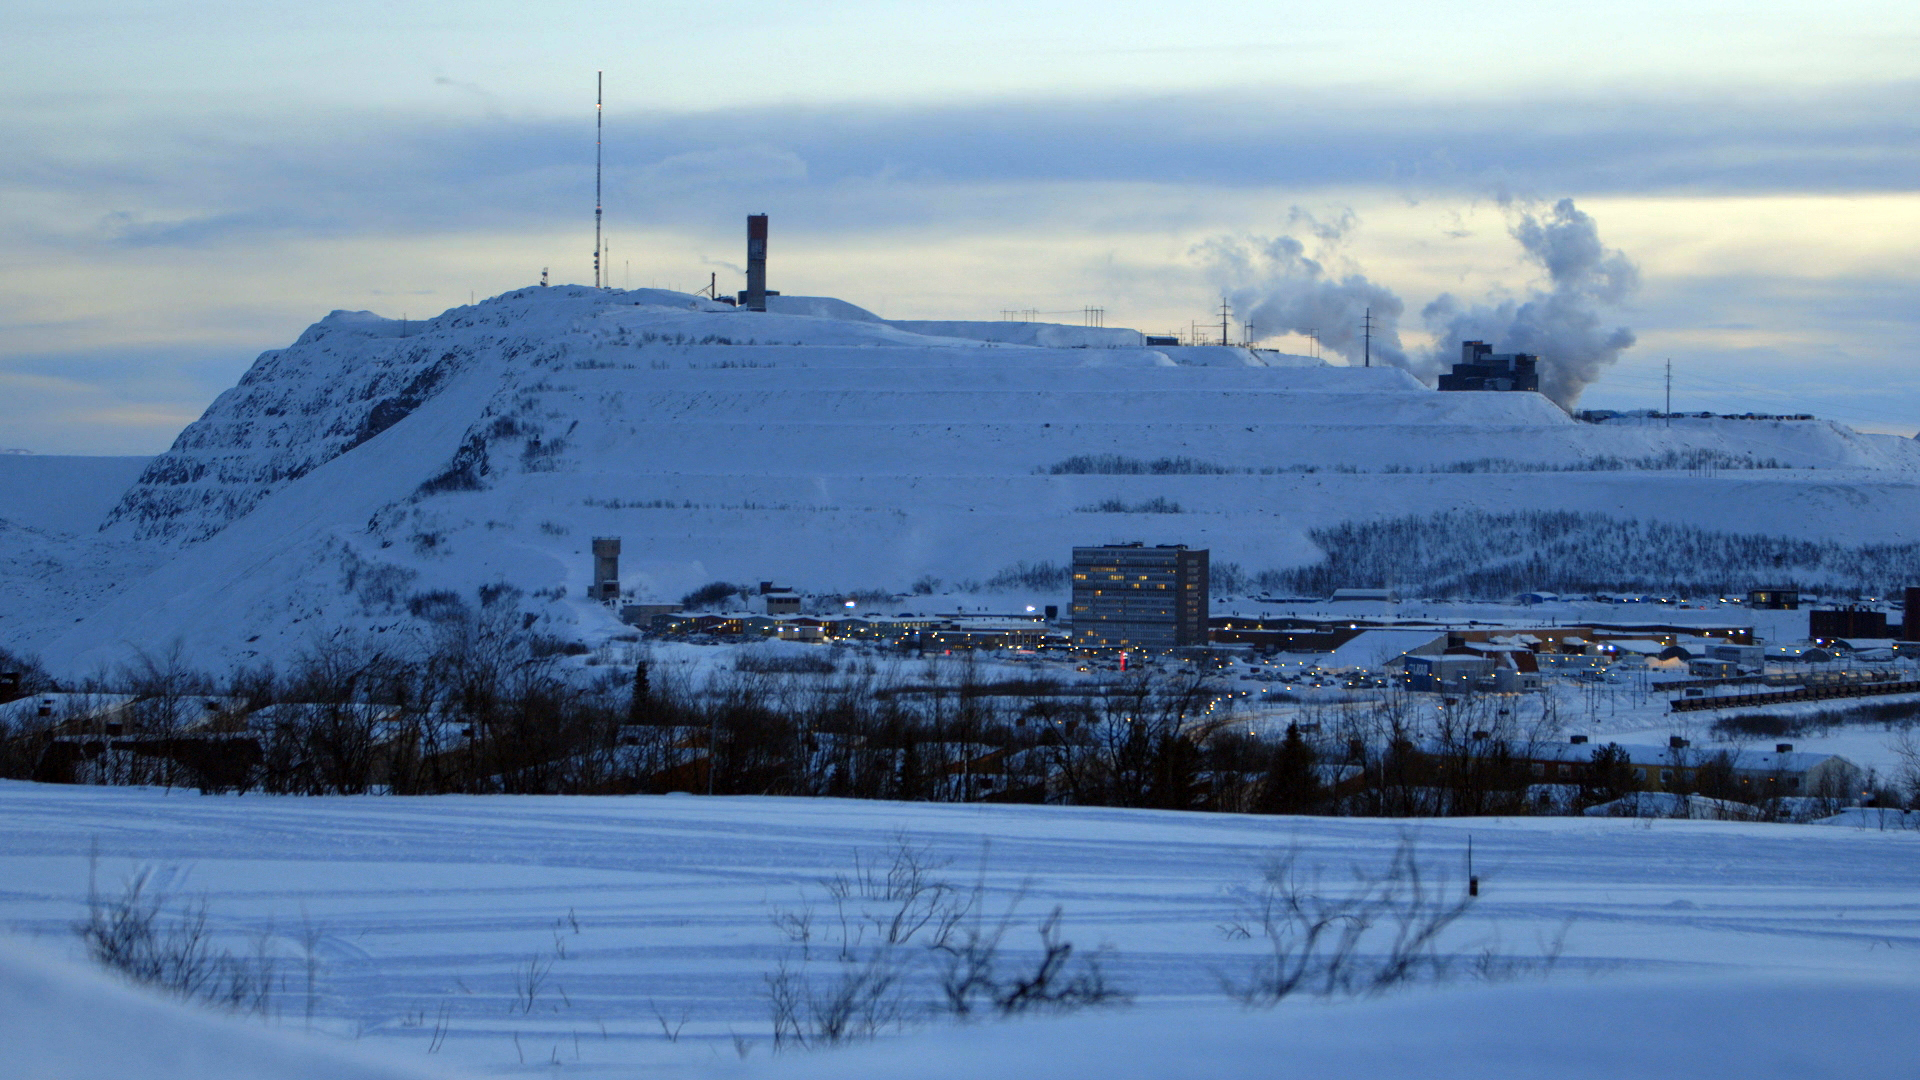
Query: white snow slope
x,y
59,1021
822,446
1690,948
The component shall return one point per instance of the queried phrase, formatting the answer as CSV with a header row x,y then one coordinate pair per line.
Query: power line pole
x,y
1225,311
1669,391
1367,337
599,102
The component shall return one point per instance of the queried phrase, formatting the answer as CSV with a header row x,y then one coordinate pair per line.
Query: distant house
x,y
1498,668
1853,621
796,628
778,600
1447,673
1679,766
69,714
1774,598
1798,654
643,614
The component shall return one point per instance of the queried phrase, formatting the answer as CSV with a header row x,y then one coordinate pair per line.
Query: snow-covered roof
x,y
63,706
1373,649
1641,646
1758,761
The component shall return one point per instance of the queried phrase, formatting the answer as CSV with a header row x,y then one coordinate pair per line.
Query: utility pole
x,y
1367,337
599,101
1669,391
1225,311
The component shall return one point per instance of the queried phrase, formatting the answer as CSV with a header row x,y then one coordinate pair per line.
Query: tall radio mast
x,y
599,100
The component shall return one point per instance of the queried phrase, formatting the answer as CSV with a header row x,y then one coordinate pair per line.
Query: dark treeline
x,y
1471,553
482,706
1691,460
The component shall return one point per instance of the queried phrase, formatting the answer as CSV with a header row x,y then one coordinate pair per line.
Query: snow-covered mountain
x,y
371,462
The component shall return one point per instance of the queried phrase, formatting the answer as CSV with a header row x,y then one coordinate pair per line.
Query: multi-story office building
x,y
1130,596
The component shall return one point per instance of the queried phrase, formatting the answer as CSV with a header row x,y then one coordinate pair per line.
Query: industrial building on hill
x,y
1480,368
1130,596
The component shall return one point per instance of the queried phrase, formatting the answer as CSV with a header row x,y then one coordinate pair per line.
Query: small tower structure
x,y
606,569
755,298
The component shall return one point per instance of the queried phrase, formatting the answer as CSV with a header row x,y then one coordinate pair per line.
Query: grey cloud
x,y
870,168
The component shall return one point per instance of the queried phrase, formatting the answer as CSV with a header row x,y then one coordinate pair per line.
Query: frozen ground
x,y
1690,947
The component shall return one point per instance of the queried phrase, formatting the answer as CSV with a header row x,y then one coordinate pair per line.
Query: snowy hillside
x,y
823,446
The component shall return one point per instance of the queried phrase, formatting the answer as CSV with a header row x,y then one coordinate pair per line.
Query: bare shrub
x,y
772,662
1379,932
896,903
904,944
971,979
132,934
859,1001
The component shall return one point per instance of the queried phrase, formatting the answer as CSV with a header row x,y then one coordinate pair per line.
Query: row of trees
x,y
484,706
1480,554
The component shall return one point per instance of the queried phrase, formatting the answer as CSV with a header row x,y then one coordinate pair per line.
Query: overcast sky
x,y
184,186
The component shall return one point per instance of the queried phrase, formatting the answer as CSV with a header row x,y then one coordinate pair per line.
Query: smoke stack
x,y
756,262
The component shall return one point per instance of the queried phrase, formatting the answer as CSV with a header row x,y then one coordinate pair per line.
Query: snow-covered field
x,y
1690,948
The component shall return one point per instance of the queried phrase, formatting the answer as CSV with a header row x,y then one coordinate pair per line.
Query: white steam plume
x,y
1561,324
1275,286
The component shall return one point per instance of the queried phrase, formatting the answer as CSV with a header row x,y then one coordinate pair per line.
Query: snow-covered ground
x,y
1690,948
62,1021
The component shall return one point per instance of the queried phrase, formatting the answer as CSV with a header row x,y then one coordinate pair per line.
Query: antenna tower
x,y
599,101
1367,326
